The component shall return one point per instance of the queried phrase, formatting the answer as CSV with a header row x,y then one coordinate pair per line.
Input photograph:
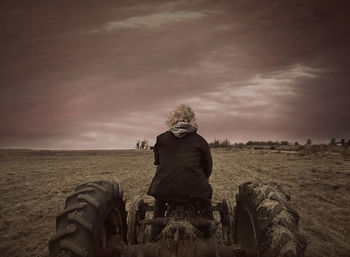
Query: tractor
x,y
95,223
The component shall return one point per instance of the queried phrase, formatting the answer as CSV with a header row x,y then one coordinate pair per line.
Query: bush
x,y
220,144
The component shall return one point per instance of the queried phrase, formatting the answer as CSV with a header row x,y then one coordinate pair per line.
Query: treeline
x,y
270,143
227,144
143,144
220,144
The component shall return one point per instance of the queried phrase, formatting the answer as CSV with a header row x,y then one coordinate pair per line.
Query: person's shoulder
x,y
163,135
200,138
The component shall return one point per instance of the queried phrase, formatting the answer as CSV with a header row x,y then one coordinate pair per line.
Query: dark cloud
x,y
104,74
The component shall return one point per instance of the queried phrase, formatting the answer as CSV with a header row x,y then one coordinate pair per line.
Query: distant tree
x,y
220,144
342,141
239,144
216,143
144,144
309,141
270,142
333,141
347,144
138,144
226,143
284,143
296,143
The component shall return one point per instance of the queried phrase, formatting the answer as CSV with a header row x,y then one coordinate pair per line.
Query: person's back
x,y
184,164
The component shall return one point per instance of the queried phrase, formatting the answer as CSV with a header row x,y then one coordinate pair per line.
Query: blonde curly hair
x,y
182,113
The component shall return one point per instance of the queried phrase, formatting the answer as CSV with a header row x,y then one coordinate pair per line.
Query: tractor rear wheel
x,y
265,221
136,213
94,217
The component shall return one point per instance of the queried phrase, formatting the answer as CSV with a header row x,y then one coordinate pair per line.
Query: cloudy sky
x,y
103,74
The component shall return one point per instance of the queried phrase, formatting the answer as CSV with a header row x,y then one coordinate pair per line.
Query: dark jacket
x,y
184,167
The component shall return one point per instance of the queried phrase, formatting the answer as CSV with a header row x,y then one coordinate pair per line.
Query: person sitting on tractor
x,y
184,165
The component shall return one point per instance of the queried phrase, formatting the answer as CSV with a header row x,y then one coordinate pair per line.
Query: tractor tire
x,y
226,219
265,221
136,213
94,217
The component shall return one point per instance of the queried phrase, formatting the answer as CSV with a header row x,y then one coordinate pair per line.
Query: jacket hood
x,y
181,129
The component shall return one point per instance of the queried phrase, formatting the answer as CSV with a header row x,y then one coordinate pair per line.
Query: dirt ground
x,y
34,185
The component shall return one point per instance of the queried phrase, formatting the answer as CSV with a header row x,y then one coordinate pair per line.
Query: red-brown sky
x,y
103,74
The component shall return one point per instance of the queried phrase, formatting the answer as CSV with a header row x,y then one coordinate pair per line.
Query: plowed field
x,y
34,185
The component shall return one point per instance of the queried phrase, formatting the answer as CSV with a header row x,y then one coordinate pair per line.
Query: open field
x,y
34,185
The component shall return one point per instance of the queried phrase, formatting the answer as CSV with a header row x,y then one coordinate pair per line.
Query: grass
x,y
34,185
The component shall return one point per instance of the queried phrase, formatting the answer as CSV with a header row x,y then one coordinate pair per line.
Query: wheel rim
x,y
112,229
245,234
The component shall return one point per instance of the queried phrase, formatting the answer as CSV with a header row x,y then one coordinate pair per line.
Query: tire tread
x,y
274,220
80,223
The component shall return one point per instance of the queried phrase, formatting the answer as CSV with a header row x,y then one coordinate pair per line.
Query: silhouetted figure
x,y
184,164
